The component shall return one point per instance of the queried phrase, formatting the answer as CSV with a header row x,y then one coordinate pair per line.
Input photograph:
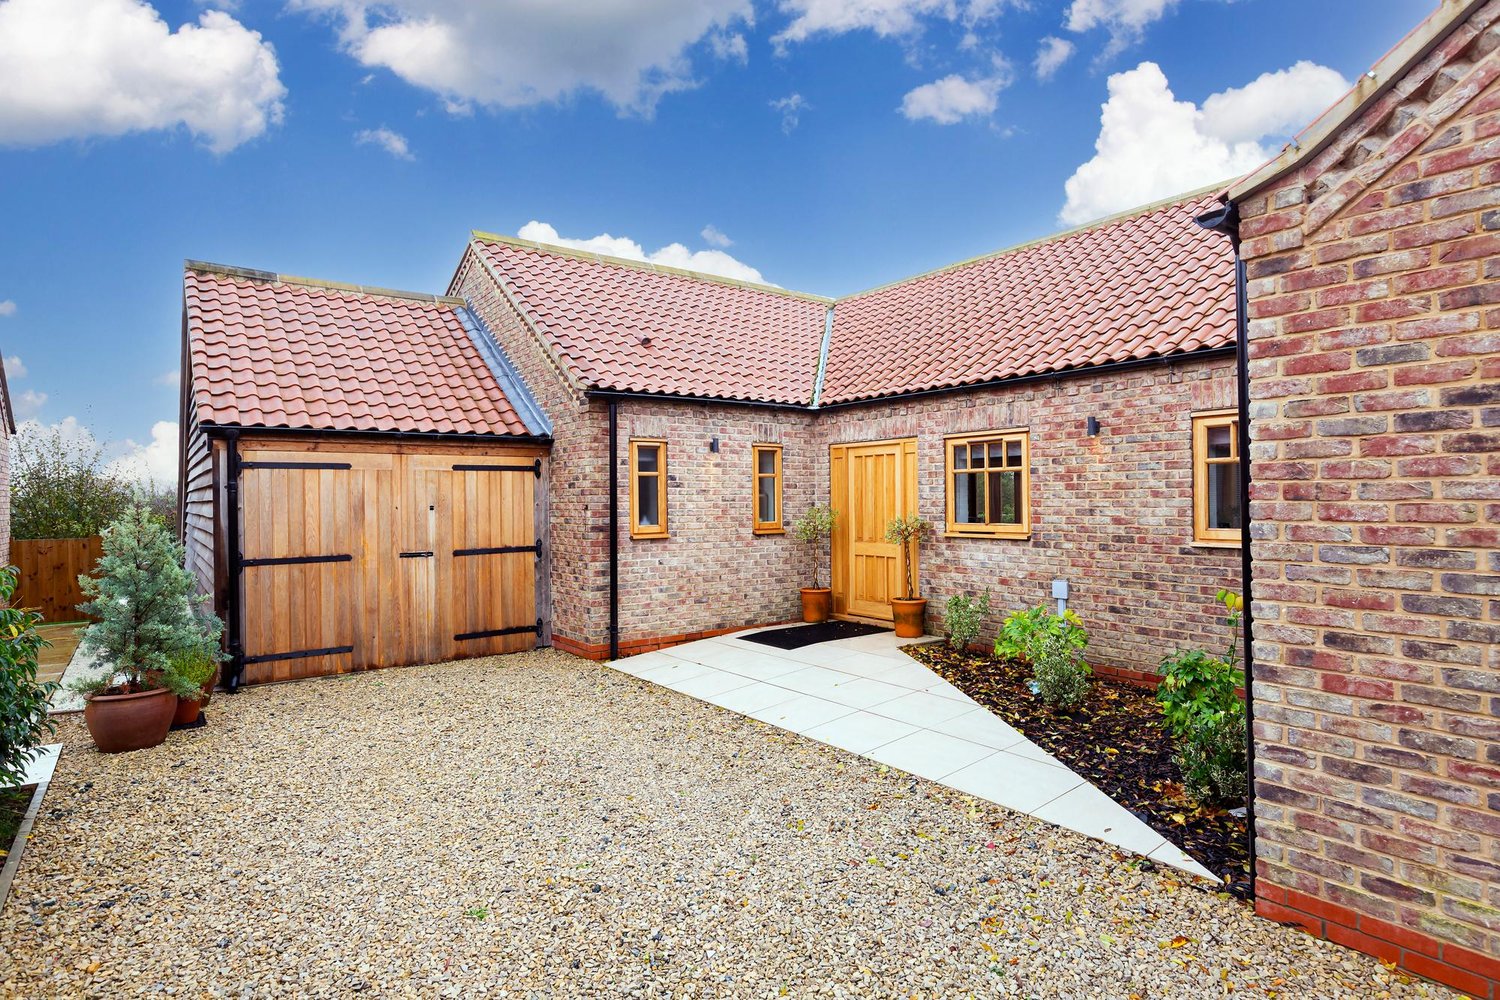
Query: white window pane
x,y
968,498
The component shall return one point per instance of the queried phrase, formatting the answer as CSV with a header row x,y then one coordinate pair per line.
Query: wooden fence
x,y
48,574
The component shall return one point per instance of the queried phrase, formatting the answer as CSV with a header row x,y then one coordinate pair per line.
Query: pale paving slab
x,y
865,695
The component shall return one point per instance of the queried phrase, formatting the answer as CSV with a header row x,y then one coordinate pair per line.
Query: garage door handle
x,y
416,555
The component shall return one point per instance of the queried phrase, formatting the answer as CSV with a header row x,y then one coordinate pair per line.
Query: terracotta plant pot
x,y
121,722
817,604
187,711
908,615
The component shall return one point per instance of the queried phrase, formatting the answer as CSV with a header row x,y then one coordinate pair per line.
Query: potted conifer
x,y
908,612
142,600
813,529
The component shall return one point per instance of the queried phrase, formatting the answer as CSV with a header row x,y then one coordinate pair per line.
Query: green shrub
x,y
965,617
1058,670
1023,632
1196,685
23,702
1212,757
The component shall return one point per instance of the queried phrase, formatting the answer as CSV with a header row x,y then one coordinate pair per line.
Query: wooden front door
x,y
870,485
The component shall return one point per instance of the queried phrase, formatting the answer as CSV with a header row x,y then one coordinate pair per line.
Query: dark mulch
x,y
806,635
13,804
1117,740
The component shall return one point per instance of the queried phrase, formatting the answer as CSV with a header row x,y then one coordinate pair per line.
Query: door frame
x,y
839,500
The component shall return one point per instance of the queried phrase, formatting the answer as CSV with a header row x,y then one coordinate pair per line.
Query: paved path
x,y
866,696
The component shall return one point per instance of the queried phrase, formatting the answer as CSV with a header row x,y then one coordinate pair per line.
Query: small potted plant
x,y
142,601
195,667
908,612
814,528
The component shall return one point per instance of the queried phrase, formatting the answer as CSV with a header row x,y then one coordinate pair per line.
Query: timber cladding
x,y
386,554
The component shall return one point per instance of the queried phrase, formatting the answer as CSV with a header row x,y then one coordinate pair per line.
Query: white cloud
x,y
1124,19
1152,146
518,53
74,435
715,237
27,404
791,107
672,255
392,142
1050,56
154,462
729,46
168,378
953,98
71,69
7,307
15,367
1282,102
886,18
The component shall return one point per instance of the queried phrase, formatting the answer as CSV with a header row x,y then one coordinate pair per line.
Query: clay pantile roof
x,y
271,351
632,327
1145,285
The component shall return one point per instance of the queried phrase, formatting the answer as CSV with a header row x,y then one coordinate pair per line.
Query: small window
x,y
1216,478
648,489
767,459
989,485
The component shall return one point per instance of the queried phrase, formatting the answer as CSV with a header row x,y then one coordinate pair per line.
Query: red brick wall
x,y
1111,514
1375,404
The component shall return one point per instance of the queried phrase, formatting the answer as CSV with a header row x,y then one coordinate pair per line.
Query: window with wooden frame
x,y
767,464
989,484
648,489
1216,478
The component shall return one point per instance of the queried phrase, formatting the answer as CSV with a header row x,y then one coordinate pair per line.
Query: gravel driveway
x,y
539,826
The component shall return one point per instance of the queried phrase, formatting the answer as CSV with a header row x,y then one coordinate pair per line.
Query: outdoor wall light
x,y
1093,427
713,445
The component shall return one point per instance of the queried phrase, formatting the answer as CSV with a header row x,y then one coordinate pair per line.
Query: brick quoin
x,y
1375,341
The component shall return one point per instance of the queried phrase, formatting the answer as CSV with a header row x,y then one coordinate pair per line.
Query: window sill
x,y
1211,543
1024,536
652,536
768,531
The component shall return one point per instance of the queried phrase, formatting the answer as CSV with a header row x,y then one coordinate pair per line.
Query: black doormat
x,y
806,635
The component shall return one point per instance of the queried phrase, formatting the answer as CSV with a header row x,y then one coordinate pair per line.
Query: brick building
x,y
1371,250
1064,411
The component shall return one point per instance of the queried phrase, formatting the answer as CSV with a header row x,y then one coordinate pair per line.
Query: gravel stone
x,y
540,826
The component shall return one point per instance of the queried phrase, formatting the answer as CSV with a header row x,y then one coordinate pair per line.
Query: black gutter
x,y
612,395
1226,220
236,565
614,529
226,430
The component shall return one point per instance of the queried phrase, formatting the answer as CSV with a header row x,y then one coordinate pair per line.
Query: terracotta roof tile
x,y
272,352
1146,285
1138,286
621,326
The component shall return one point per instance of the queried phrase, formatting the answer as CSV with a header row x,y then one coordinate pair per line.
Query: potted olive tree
x,y
814,528
142,600
908,612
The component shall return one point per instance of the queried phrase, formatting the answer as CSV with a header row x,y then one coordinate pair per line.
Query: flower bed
x,y
1117,739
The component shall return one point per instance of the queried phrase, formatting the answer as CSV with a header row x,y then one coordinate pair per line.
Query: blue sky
x,y
830,144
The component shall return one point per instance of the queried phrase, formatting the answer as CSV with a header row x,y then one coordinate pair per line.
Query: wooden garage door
x,y
366,559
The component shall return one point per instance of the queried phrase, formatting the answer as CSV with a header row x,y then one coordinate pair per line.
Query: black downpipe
x,y
614,529
236,565
1226,220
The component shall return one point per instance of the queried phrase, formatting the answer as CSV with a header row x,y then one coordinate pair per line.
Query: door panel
x,y
871,485
368,559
